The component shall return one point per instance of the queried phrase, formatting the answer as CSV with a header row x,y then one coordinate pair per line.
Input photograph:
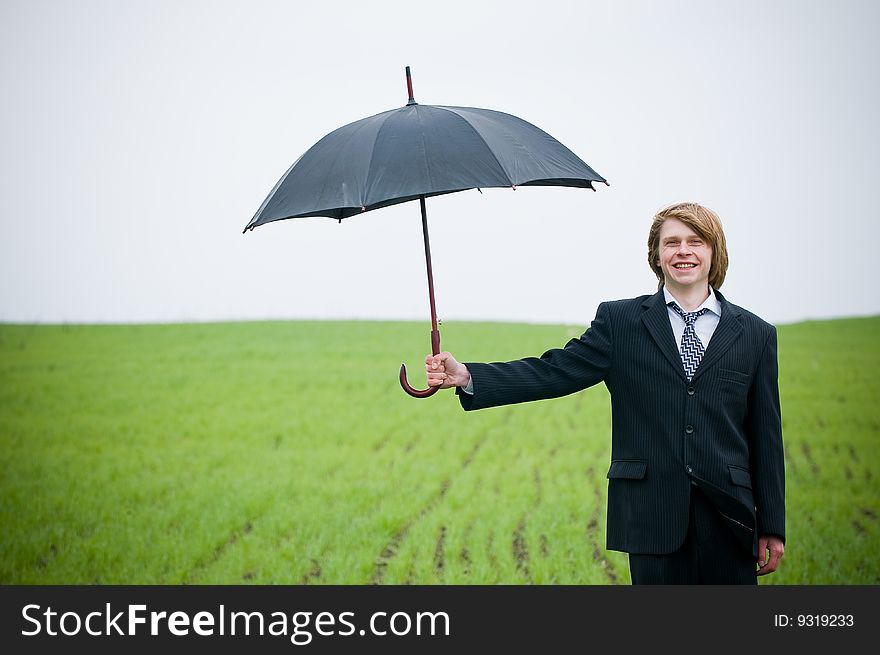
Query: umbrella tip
x,y
409,89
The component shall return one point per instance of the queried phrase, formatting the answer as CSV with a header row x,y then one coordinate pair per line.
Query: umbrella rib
x,y
368,182
362,192
271,195
424,150
525,150
482,140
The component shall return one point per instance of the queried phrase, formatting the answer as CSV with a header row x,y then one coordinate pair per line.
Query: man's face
x,y
685,257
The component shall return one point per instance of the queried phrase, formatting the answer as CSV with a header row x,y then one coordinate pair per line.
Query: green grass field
x,y
286,453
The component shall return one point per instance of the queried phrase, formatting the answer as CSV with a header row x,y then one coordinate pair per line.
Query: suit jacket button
x,y
689,429
688,469
691,391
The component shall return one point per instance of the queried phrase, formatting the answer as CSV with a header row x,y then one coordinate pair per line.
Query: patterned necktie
x,y
691,347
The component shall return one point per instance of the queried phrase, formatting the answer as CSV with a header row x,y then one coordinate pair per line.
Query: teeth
x,y
685,265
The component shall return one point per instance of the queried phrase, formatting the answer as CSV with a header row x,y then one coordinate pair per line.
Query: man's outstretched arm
x,y
583,362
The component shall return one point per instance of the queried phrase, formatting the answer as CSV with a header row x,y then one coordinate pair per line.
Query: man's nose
x,y
684,248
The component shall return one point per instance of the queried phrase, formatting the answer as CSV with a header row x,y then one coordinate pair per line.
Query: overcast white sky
x,y
138,138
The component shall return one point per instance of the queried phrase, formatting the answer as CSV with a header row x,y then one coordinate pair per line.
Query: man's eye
x,y
696,242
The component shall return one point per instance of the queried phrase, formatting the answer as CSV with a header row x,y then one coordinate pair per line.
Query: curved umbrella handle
x,y
430,391
415,393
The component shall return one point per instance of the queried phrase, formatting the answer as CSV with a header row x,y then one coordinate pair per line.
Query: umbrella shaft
x,y
435,334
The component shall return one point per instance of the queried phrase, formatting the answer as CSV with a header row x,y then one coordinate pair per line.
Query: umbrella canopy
x,y
419,150
415,152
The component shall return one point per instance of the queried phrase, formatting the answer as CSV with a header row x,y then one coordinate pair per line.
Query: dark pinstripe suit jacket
x,y
721,431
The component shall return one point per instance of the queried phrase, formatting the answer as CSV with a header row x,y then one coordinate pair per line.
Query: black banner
x,y
432,619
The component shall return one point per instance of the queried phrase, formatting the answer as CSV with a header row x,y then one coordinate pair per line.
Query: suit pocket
x,y
627,469
734,388
733,376
740,477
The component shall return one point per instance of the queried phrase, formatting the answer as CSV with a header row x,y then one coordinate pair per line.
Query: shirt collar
x,y
711,303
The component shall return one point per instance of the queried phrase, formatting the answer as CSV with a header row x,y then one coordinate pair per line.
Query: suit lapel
x,y
728,330
656,319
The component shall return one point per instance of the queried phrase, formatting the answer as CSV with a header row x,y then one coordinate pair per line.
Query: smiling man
x,y
696,486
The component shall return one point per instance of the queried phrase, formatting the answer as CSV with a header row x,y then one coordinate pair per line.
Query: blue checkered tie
x,y
691,347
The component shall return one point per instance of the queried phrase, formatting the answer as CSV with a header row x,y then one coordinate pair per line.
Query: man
x,y
696,489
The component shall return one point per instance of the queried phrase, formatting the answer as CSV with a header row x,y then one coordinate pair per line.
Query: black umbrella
x,y
415,152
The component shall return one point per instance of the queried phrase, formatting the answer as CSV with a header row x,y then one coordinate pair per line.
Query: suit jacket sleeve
x,y
764,429
582,363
